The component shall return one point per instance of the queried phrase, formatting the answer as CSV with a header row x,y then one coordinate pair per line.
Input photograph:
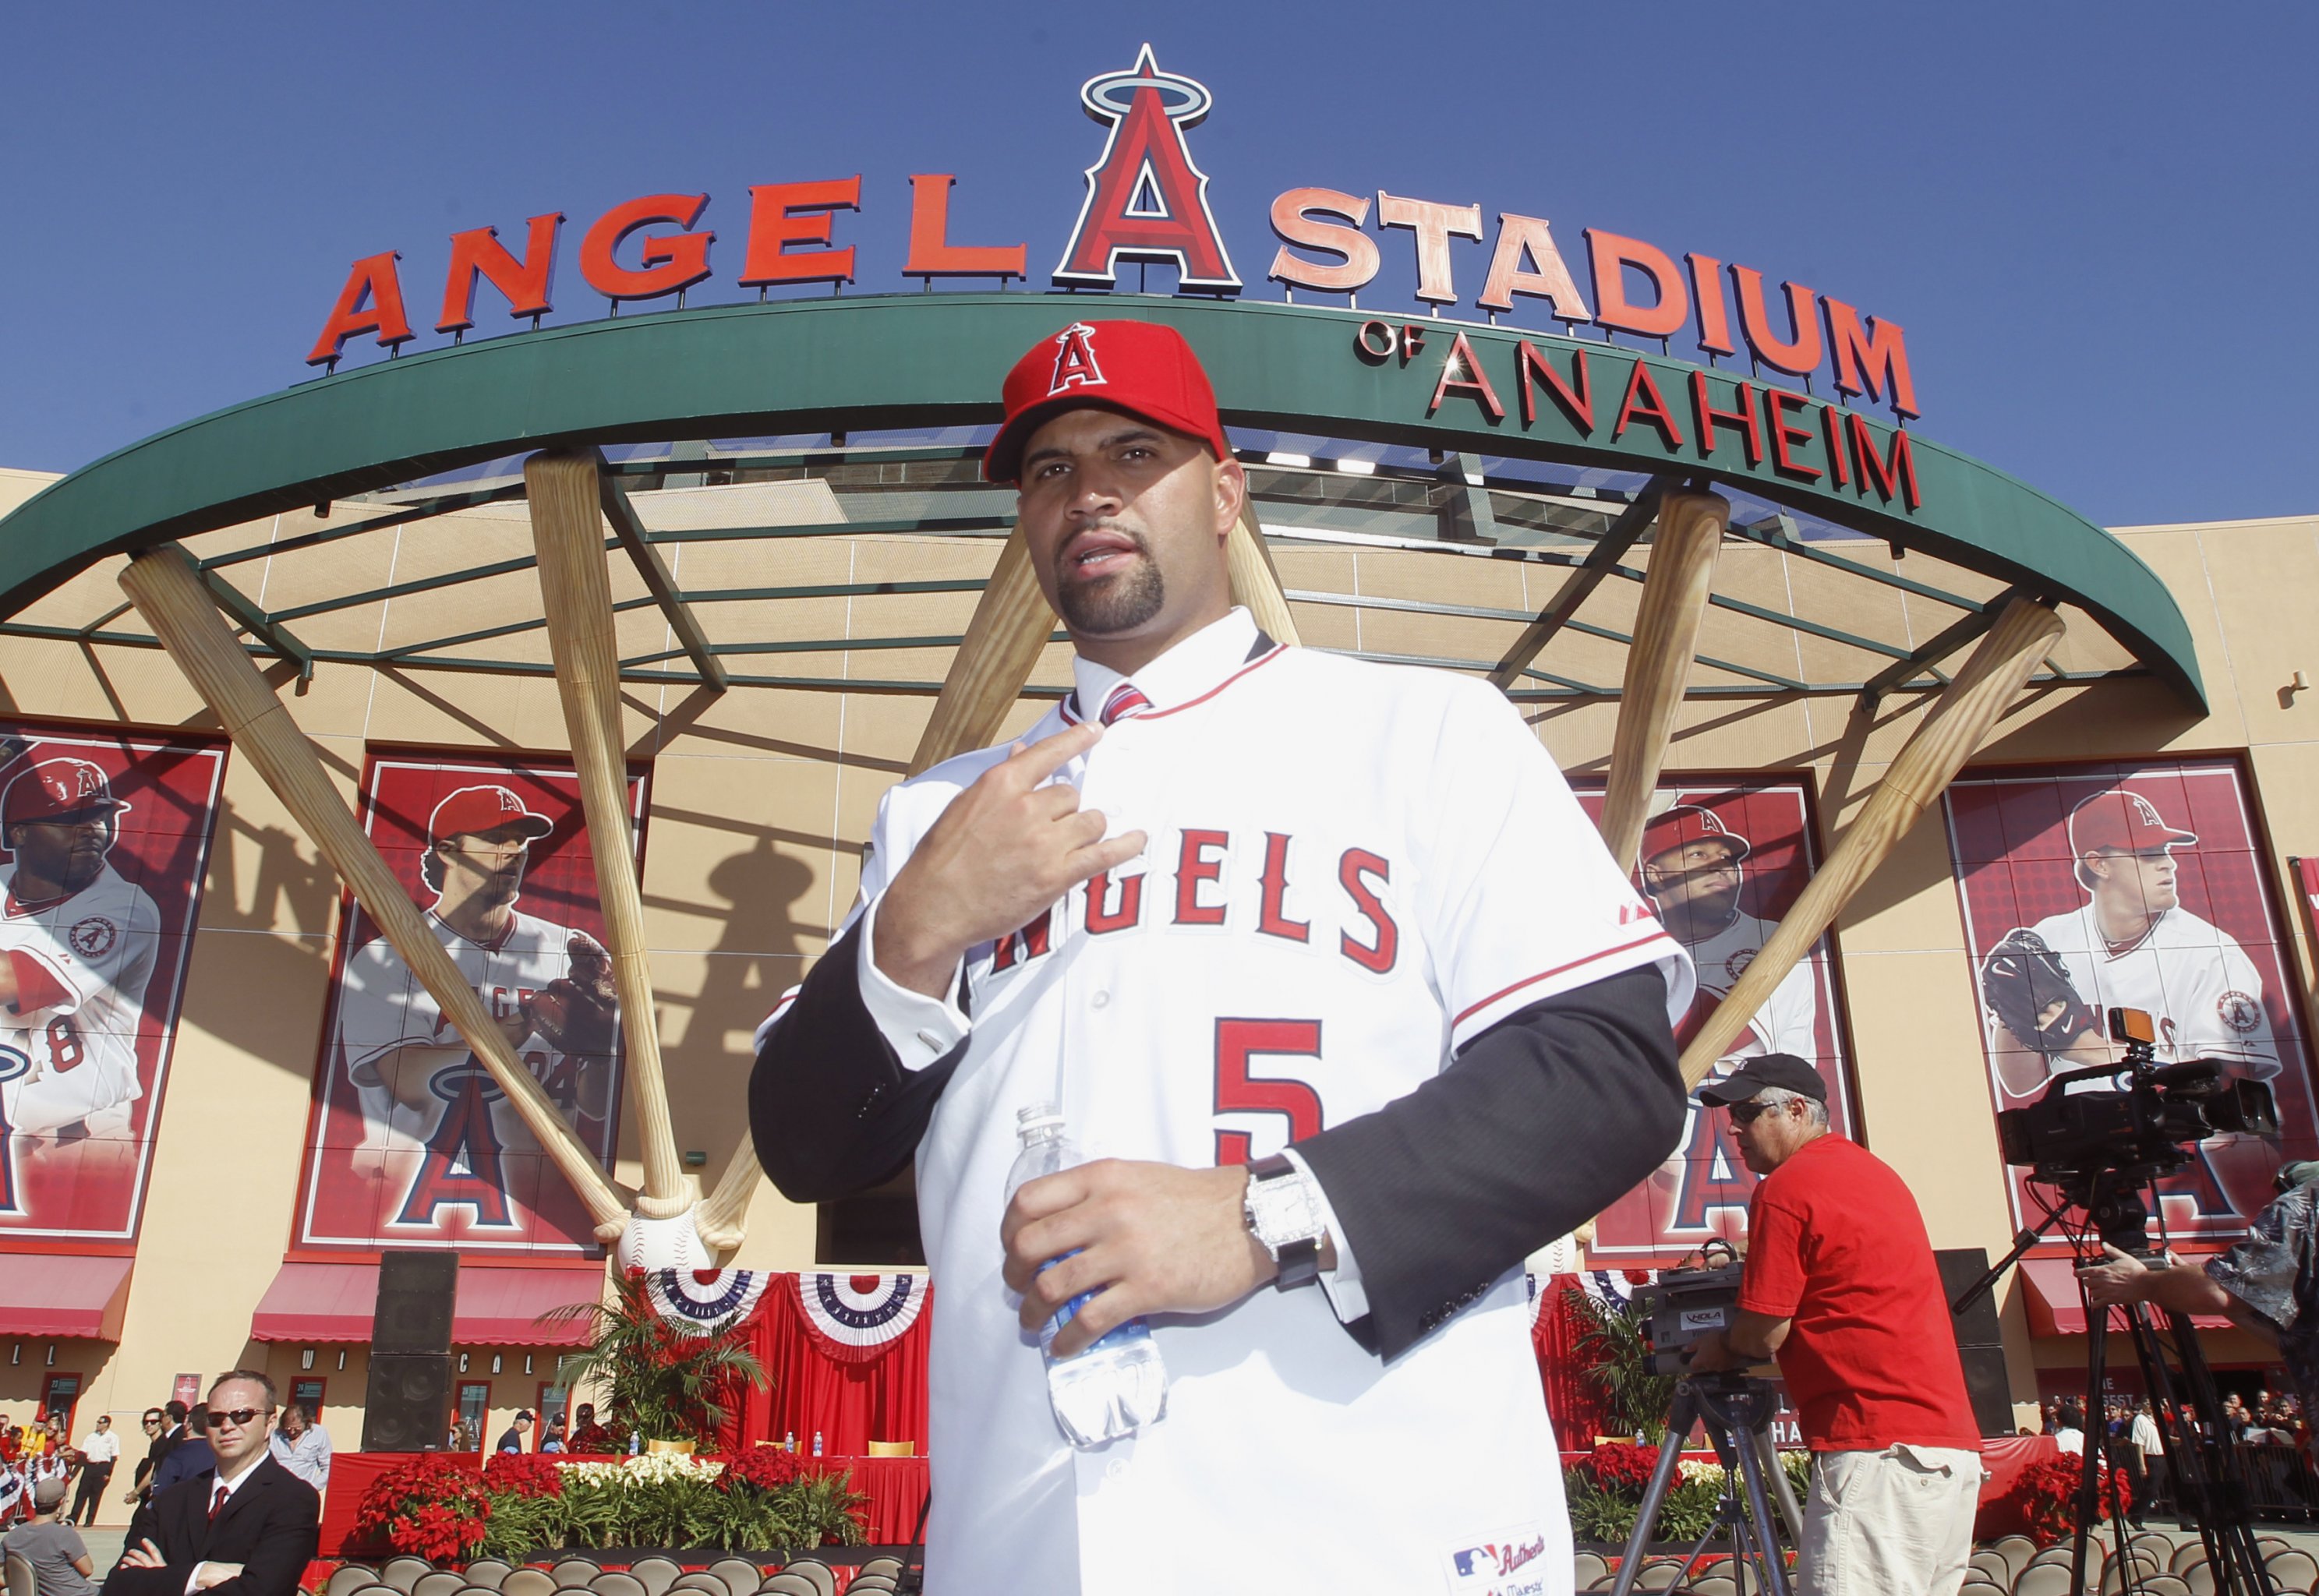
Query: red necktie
x,y
1125,699
217,1500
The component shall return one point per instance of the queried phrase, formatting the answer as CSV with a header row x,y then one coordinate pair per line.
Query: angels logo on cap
x,y
1075,361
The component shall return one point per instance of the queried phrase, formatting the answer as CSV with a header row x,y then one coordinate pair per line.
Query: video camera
x,y
1685,1305
2143,1123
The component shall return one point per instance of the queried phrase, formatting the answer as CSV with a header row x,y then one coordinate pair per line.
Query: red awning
x,y
495,1307
64,1293
2055,1308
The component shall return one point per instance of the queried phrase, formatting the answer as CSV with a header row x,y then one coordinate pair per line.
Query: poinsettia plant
x,y
2045,1495
1617,1464
429,1507
522,1474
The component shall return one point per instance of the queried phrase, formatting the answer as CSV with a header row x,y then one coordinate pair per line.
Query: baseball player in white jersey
x,y
1334,980
2130,945
77,944
434,1119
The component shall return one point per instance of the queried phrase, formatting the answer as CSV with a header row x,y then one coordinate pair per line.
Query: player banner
x,y
106,840
411,1142
2133,885
1721,860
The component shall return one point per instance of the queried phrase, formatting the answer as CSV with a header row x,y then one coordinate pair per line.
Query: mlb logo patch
x,y
1510,1564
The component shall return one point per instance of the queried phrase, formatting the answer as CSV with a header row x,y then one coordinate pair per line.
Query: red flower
x,y
763,1468
522,1474
429,1507
2045,1495
1618,1464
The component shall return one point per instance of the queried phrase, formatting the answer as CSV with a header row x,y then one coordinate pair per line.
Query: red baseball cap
x,y
57,789
475,809
1681,824
1138,367
2121,821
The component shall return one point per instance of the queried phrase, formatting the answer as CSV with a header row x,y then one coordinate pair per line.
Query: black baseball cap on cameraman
x,y
1784,1071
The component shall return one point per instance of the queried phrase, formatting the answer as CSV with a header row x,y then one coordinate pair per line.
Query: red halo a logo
x,y
1145,199
1075,361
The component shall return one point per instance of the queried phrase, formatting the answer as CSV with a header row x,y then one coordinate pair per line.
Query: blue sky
x,y
2096,223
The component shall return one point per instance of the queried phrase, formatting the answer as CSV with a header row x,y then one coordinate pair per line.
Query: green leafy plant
x,y
660,1381
1613,1339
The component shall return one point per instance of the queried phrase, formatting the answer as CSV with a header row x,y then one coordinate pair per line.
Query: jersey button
x,y
1100,999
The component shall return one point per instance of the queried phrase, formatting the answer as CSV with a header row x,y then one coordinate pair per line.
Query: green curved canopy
x,y
931,360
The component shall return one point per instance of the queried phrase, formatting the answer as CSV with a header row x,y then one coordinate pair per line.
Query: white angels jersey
x,y
1789,1021
383,1007
2191,978
69,1046
1352,871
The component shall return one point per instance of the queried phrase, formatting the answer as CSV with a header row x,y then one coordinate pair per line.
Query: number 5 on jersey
x,y
1240,1091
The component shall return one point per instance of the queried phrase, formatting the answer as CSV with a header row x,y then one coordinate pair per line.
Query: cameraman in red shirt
x,y
1840,1287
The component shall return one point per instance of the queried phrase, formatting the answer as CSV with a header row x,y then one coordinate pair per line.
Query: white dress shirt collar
x,y
1194,668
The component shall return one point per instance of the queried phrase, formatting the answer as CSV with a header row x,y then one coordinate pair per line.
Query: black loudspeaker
x,y
416,1291
1980,1344
408,1405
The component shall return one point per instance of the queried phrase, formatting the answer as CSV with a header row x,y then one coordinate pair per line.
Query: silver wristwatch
x,y
1283,1207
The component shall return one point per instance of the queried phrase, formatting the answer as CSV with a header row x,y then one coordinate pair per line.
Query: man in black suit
x,y
1339,972
248,1529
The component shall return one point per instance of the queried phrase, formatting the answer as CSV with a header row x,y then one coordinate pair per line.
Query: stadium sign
x,y
1146,201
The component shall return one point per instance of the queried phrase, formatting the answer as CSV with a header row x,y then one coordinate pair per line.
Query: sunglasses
x,y
1747,1113
237,1417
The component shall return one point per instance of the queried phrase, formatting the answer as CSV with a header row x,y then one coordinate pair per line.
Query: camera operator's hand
x,y
2124,1279
1710,1353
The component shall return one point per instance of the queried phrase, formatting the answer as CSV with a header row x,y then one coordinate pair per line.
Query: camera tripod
x,y
2209,1482
1736,1411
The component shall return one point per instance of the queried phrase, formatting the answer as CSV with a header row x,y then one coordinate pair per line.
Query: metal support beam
x,y
255,621
1461,504
1942,644
1599,563
630,532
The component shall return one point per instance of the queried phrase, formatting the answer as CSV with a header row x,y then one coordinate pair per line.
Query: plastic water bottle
x,y
1119,1385
789,1442
816,1443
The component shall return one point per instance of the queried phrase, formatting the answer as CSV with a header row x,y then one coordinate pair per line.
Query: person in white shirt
x,y
2072,1436
99,1450
303,1447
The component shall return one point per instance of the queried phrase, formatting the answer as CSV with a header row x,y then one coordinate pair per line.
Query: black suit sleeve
x,y
280,1545
830,1108
1538,1125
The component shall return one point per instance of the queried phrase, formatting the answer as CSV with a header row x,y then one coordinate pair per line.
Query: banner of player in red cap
x,y
2140,887
106,838
1721,863
410,1144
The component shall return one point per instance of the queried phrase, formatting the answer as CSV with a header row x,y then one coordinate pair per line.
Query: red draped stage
x,y
852,1394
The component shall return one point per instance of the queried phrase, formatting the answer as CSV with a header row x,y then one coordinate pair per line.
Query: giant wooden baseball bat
x,y
1675,591
1959,721
1254,580
724,1212
169,593
1011,623
575,590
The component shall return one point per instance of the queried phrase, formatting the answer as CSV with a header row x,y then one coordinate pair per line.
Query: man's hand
x,y
1005,849
1156,1239
215,1573
1711,1353
143,1554
2123,1278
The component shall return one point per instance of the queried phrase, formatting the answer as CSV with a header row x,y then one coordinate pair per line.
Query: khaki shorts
x,y
1892,1523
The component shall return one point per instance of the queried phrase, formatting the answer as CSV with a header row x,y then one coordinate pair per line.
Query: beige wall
x,y
760,799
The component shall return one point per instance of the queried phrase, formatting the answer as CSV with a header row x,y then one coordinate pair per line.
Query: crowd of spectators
x,y
2269,1426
